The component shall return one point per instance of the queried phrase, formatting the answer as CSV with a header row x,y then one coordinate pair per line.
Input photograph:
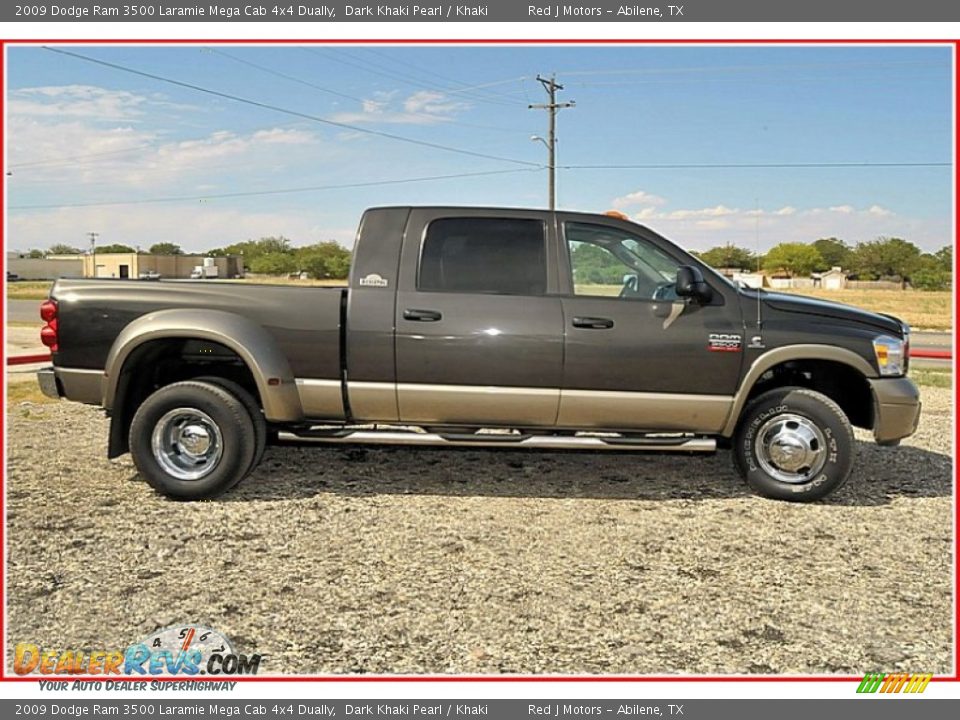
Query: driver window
x,y
607,262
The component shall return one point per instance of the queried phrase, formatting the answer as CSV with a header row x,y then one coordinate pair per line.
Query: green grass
x,y
28,290
932,377
923,310
26,391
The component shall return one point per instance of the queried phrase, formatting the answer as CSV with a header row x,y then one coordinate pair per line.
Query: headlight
x,y
891,354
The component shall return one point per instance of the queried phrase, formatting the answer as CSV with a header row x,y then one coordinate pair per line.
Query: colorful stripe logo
x,y
894,682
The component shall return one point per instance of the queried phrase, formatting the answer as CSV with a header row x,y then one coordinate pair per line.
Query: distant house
x,y
753,280
135,265
833,279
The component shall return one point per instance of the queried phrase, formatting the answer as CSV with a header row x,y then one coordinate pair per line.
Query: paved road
x,y
23,311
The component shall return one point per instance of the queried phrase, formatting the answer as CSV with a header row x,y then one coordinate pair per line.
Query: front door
x,y
636,355
479,338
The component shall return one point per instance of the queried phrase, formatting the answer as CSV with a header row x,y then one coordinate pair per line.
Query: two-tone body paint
x,y
360,354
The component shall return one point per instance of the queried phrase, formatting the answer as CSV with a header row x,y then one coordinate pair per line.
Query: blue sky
x,y
82,135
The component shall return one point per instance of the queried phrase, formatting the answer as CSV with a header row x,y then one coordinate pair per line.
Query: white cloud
x,y
702,228
63,158
424,107
76,101
640,198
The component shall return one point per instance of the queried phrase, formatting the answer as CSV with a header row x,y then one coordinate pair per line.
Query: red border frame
x,y
4,678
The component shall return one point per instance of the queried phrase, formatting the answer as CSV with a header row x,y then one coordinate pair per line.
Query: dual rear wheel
x,y
195,439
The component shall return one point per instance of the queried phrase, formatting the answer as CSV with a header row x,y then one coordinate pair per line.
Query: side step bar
x,y
534,442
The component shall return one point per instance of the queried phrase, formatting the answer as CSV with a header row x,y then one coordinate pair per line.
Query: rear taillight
x,y
48,310
48,335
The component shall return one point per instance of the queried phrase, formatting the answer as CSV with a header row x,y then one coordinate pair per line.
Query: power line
x,y
465,87
291,78
67,160
397,77
286,111
281,191
747,68
710,166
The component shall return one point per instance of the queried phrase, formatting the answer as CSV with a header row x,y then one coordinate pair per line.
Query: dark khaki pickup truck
x,y
476,327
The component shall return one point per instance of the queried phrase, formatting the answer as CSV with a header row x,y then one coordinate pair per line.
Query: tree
x,y
596,266
166,248
274,263
278,244
36,254
115,248
835,253
793,259
944,257
729,256
250,250
63,249
886,258
934,271
325,260
930,274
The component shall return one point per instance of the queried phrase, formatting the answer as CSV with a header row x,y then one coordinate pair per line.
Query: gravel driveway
x,y
391,560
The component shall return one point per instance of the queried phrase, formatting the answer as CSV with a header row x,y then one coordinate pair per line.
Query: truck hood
x,y
813,306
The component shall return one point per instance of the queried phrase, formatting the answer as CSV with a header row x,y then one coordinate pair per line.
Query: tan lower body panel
x,y
643,411
321,399
373,401
478,405
85,386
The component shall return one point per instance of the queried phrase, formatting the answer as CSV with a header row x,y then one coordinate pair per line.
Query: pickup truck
x,y
482,327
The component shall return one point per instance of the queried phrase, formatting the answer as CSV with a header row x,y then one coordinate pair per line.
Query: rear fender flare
x,y
251,342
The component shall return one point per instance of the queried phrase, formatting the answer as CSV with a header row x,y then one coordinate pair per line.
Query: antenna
x,y
759,273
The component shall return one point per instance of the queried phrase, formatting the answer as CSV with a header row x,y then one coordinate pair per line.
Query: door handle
x,y
421,315
593,323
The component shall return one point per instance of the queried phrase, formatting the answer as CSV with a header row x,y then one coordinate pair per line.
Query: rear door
x,y
636,356
479,328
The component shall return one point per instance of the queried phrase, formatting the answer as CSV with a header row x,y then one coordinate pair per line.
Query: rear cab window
x,y
503,256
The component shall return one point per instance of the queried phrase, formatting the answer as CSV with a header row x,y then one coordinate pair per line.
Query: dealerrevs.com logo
x,y
894,682
184,650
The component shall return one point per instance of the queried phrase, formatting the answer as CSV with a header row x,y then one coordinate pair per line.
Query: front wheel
x,y
192,440
794,444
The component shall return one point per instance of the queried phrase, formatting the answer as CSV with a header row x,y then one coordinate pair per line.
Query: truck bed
x,y
305,321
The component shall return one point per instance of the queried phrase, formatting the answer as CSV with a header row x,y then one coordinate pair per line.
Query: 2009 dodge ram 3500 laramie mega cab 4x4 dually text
x,y
569,330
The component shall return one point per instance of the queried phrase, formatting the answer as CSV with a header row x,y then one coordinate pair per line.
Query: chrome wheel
x,y
187,443
791,448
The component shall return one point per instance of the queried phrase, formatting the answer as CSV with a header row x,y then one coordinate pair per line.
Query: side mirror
x,y
690,284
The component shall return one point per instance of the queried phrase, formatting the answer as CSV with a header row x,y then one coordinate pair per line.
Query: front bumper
x,y
47,379
896,405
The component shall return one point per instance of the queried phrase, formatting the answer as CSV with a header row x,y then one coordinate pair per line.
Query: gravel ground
x,y
349,560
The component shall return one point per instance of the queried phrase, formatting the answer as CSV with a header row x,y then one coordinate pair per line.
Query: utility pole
x,y
551,86
93,249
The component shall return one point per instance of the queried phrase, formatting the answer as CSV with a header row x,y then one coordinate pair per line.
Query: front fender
x,y
784,354
251,342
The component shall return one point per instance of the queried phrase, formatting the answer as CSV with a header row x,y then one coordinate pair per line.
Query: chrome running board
x,y
488,440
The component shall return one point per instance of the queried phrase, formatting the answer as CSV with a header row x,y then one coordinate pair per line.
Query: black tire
x,y
791,413
214,410
253,408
